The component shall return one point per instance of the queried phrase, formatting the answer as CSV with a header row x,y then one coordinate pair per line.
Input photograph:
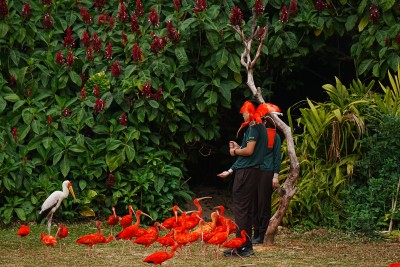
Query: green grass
x,y
316,248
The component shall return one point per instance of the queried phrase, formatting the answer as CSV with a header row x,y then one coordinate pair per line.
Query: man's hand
x,y
225,173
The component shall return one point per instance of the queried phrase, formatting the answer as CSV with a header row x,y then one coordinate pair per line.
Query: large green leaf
x,y
3,29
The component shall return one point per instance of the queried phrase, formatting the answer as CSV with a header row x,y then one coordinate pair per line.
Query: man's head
x,y
247,110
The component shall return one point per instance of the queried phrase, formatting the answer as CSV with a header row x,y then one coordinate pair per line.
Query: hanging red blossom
x,y
86,38
284,15
122,16
172,33
47,21
89,54
146,91
103,19
96,91
110,182
122,120
70,59
292,8
116,69
258,8
200,6
12,80
49,120
3,9
137,54
158,44
83,93
111,23
47,2
236,17
60,58
108,52
84,78
124,38
68,40
86,16
99,4
260,33
153,17
14,133
321,5
66,112
28,92
99,105
374,13
177,5
96,42
26,11
139,8
135,27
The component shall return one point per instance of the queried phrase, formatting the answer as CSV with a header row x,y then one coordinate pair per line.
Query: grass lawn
x,y
315,248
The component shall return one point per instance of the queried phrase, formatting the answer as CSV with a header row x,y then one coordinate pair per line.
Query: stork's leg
x,y
49,222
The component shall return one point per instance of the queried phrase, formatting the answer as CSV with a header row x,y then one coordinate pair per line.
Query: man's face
x,y
246,116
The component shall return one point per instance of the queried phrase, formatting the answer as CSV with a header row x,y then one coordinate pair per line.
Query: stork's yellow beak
x,y
71,190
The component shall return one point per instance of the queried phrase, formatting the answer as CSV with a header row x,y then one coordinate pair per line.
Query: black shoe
x,y
257,240
243,252
229,252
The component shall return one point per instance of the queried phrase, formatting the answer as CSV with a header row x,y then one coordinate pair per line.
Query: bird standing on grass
x,y
113,220
53,202
23,231
236,242
48,241
127,219
160,256
92,239
62,232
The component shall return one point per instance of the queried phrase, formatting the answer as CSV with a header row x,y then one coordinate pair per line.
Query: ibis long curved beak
x,y
71,190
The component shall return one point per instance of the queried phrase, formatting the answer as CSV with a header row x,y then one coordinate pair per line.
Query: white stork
x,y
52,203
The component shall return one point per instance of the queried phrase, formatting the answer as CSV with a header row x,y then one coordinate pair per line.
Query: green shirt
x,y
254,133
272,160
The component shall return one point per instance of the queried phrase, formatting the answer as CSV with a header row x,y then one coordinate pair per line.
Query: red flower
x,y
172,33
83,93
177,5
116,69
292,8
321,5
12,80
3,9
47,21
137,54
49,120
70,59
68,40
260,33
86,16
111,23
47,2
124,38
146,92
284,15
66,112
108,52
200,6
110,180
374,13
86,38
158,44
139,8
122,16
135,27
84,78
96,42
26,160
28,92
99,105
14,133
26,11
60,58
99,4
96,91
236,17
89,54
122,120
153,17
103,18
258,8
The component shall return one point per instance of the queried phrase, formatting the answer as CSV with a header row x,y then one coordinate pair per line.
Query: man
x,y
269,177
250,156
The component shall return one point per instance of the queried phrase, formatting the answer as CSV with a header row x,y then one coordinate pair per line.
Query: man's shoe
x,y
257,240
229,252
243,252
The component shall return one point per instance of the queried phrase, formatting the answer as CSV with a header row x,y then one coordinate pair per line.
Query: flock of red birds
x,y
181,230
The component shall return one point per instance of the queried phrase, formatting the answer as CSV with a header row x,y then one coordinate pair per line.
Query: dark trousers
x,y
262,204
243,191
